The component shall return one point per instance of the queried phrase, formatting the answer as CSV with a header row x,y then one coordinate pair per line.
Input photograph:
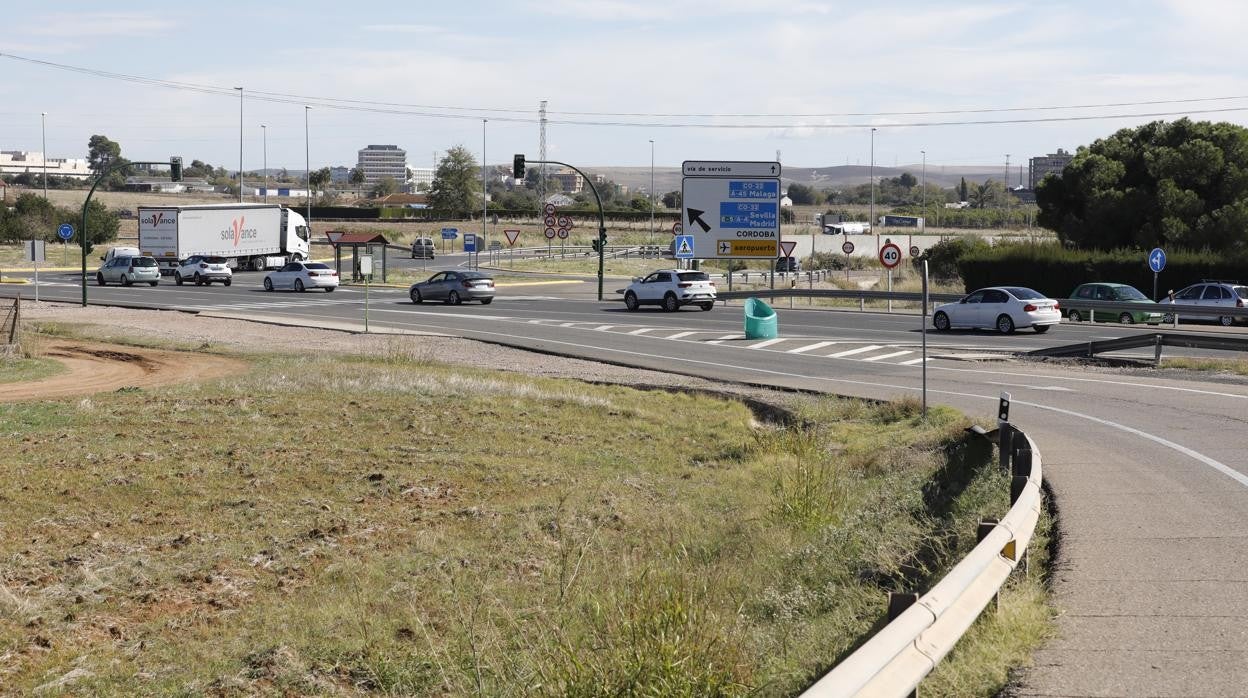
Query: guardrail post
x,y
1022,463
1017,483
1005,448
898,602
985,527
862,304
1156,350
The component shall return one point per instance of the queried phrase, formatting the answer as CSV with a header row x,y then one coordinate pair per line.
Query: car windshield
x,y
694,276
473,275
1130,293
317,265
1023,294
143,262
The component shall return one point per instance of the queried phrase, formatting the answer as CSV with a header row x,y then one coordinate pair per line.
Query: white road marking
x,y
678,335
911,362
881,357
851,352
603,328
729,336
811,347
766,343
567,324
642,330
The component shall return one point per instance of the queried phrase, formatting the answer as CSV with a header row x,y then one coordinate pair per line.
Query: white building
x,y
20,161
380,161
420,175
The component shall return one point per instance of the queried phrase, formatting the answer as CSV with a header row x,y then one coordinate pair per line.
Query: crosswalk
x,y
848,350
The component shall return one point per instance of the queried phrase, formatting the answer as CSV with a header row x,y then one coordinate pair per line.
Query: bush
x,y
943,257
837,261
1055,271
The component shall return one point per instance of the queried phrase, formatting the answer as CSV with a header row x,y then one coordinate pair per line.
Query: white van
x,y
121,252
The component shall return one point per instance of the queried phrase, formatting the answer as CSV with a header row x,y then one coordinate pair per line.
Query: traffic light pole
x,y
82,241
602,221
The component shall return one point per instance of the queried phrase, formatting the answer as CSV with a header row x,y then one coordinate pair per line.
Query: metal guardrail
x,y
897,658
1174,310
837,293
1157,340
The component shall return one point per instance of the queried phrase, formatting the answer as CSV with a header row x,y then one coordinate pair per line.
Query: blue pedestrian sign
x,y
470,242
1157,260
684,247
66,231
450,233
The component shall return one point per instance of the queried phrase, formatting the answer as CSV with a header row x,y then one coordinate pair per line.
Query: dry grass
x,y
335,525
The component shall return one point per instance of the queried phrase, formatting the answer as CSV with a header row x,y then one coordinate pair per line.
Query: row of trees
x,y
33,217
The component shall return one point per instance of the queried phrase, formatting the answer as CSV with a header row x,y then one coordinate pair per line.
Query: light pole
x,y
307,160
1006,203
264,134
485,194
43,130
240,144
871,216
651,191
923,228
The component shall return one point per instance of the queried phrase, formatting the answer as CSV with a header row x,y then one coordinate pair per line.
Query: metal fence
x,y
10,316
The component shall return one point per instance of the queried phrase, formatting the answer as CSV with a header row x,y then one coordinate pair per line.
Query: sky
x,y
702,79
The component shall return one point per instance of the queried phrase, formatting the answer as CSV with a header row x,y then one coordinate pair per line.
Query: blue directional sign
x,y
66,231
470,242
684,247
732,208
1157,259
450,233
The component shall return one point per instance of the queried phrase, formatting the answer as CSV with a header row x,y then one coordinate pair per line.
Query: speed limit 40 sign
x,y
890,255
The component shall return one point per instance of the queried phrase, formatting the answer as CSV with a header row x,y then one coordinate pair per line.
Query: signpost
x,y
35,253
684,247
677,228
66,233
890,257
448,234
1156,262
512,235
366,270
732,208
848,248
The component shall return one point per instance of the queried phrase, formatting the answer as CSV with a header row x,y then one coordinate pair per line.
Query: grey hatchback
x,y
127,270
454,287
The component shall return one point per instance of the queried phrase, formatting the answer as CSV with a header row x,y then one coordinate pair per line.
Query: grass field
x,y
337,524
13,370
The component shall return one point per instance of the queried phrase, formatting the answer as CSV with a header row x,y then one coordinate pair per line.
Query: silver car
x,y
1217,294
454,287
127,270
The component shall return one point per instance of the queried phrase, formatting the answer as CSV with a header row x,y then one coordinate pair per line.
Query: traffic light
x,y
517,166
175,168
597,243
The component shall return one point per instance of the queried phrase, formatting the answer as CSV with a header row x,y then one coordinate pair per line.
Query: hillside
x,y
668,178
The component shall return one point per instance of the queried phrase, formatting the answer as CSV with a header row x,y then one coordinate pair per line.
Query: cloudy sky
x,y
703,79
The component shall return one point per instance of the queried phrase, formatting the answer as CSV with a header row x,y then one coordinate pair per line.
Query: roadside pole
x,y
366,270
923,320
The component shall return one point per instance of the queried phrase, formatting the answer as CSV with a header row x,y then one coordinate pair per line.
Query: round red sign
x,y
890,255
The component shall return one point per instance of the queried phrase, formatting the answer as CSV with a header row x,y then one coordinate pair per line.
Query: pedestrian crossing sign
x,y
684,247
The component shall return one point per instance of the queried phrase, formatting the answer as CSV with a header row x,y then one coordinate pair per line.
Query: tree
x,y
671,199
318,178
1181,184
963,191
907,180
802,194
102,152
384,187
456,189
356,176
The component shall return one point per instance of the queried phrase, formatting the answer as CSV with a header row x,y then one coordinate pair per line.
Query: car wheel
x,y
127,281
1126,319
177,278
1005,324
452,298
707,306
414,294
1041,329
329,289
299,285
1226,320
199,280
941,321
486,301
268,284
670,304
227,282
1075,316
152,283
630,301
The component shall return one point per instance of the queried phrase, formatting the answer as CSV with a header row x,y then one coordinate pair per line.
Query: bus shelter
x,y
355,245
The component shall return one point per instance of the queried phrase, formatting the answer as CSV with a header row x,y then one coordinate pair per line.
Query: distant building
x,y
1041,166
380,161
570,182
20,161
339,175
420,175
560,200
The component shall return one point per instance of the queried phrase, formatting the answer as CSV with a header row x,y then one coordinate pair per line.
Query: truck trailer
x,y
250,236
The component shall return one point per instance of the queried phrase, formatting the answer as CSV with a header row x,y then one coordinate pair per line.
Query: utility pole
x,y
871,216
240,144
43,129
264,132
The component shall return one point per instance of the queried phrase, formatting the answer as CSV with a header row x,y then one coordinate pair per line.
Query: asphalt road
x,y
1150,473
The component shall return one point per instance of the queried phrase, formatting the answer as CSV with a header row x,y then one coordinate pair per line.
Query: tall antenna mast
x,y
541,155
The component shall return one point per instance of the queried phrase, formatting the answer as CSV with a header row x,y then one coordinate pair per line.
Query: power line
x,y
524,115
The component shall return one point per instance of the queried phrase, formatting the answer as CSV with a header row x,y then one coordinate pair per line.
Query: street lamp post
x,y
1007,185
923,228
651,191
264,133
307,163
485,194
240,144
43,130
871,216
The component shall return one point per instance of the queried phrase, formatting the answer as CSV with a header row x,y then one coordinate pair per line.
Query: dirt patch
x,y
94,368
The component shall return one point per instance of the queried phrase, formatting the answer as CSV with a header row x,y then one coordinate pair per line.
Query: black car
x,y
788,264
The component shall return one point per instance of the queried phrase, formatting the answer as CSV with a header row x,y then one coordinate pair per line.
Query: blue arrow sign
x,y
1157,259
450,233
684,247
66,231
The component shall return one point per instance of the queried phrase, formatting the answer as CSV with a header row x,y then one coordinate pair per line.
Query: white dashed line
x,y
604,328
811,347
766,343
851,352
642,330
911,362
679,335
881,357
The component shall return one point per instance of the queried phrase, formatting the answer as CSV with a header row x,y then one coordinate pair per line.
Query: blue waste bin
x,y
760,320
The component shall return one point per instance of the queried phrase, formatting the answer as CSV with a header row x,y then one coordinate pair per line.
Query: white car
x,y
300,276
1003,308
670,289
203,270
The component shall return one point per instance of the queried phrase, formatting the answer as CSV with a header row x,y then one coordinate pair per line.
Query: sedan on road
x,y
203,270
127,270
301,276
1211,293
454,287
1003,308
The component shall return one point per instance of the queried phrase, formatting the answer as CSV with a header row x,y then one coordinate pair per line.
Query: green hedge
x,y
1055,271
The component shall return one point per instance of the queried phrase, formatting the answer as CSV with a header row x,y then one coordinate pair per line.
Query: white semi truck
x,y
250,236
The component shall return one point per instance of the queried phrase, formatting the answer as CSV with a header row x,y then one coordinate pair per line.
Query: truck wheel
x,y
257,264
99,279
177,278
299,285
